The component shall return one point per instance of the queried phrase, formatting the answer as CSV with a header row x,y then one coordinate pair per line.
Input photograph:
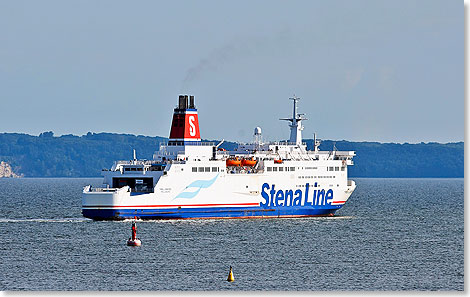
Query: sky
x,y
386,71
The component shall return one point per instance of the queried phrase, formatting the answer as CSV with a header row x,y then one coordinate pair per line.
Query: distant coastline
x,y
23,155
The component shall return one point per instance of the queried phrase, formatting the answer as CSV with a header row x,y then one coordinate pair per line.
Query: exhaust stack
x,y
185,124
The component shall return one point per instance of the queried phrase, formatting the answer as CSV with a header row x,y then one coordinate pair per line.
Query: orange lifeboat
x,y
278,161
248,162
233,162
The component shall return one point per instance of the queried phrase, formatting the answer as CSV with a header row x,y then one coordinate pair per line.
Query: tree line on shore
x,y
85,156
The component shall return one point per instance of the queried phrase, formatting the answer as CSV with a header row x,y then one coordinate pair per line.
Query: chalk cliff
x,y
6,171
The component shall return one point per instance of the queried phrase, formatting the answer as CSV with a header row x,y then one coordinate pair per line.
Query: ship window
x,y
331,168
127,169
269,168
194,169
215,169
292,169
208,169
157,167
274,168
336,168
342,168
200,169
281,168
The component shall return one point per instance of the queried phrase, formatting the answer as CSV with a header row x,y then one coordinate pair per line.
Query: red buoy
x,y
134,241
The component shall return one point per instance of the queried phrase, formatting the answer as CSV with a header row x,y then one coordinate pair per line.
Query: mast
x,y
296,126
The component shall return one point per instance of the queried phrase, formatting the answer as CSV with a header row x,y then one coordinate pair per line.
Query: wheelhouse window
x,y
156,167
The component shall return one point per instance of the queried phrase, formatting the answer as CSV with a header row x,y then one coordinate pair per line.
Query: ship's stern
x,y
99,203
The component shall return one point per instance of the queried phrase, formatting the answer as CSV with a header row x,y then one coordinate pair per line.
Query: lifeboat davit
x,y
233,162
278,161
248,162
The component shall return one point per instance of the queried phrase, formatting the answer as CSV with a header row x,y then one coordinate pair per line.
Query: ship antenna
x,y
296,126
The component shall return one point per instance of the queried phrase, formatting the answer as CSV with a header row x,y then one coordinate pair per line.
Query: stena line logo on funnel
x,y
192,126
306,197
185,126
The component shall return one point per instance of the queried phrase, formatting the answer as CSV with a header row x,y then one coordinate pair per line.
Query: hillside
x,y
85,156
375,159
70,155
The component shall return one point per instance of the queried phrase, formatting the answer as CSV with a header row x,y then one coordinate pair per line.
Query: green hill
x,y
70,155
84,156
375,159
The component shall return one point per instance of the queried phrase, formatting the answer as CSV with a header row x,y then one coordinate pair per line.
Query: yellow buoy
x,y
230,275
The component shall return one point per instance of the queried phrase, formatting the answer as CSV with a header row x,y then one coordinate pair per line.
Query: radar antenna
x,y
296,126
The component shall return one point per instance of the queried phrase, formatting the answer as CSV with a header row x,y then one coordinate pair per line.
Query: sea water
x,y
392,234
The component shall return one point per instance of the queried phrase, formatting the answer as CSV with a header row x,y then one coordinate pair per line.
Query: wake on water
x,y
197,221
60,220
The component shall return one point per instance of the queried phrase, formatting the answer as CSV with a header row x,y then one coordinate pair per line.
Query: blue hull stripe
x,y
219,212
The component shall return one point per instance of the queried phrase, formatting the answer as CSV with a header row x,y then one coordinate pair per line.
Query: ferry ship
x,y
190,179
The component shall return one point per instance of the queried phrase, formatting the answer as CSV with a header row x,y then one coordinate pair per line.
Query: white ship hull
x,y
183,194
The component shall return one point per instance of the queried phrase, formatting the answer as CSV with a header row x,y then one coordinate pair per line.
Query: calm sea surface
x,y
393,234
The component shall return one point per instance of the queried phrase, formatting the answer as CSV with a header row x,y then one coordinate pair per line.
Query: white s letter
x,y
192,128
